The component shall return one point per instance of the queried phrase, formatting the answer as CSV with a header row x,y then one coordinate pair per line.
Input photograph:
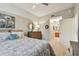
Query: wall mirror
x,y
46,26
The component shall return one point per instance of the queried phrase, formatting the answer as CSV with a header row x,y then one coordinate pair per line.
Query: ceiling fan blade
x,y
46,4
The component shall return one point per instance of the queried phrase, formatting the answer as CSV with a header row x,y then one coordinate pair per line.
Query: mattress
x,y
25,47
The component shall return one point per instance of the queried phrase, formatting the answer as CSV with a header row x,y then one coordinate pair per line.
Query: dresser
x,y
35,34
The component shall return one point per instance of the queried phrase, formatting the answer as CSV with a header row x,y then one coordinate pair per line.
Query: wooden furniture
x,y
35,34
12,30
56,34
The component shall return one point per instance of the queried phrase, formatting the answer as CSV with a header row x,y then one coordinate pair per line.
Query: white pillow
x,y
4,35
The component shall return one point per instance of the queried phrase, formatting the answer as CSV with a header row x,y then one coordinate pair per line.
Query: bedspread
x,y
25,47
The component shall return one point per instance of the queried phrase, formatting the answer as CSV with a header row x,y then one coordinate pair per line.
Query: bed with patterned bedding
x,y
25,47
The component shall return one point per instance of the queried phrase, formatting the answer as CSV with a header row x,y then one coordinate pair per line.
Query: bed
x,y
25,47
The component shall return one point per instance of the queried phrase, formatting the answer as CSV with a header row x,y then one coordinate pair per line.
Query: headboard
x,y
12,30
19,32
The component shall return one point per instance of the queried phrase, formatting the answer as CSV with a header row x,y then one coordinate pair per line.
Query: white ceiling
x,y
25,9
42,10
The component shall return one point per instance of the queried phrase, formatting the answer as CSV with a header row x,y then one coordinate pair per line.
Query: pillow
x,y
13,37
3,36
20,34
6,35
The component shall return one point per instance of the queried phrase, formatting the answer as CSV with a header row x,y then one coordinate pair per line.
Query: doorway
x,y
55,27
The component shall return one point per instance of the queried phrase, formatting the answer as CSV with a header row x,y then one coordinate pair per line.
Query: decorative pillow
x,y
13,37
20,34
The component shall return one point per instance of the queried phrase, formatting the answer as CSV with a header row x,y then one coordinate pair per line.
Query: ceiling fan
x,y
35,5
46,4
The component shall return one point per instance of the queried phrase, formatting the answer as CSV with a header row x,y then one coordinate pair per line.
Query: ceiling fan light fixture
x,y
46,4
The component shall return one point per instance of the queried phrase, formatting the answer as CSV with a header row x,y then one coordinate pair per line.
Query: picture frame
x,y
7,21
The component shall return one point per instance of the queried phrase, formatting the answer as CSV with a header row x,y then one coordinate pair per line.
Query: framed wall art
x,y
7,21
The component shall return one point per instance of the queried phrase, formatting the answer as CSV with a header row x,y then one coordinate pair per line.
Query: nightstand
x,y
35,34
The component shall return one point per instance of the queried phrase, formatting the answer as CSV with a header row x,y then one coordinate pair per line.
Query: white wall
x,y
20,22
67,31
45,32
69,28
75,23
